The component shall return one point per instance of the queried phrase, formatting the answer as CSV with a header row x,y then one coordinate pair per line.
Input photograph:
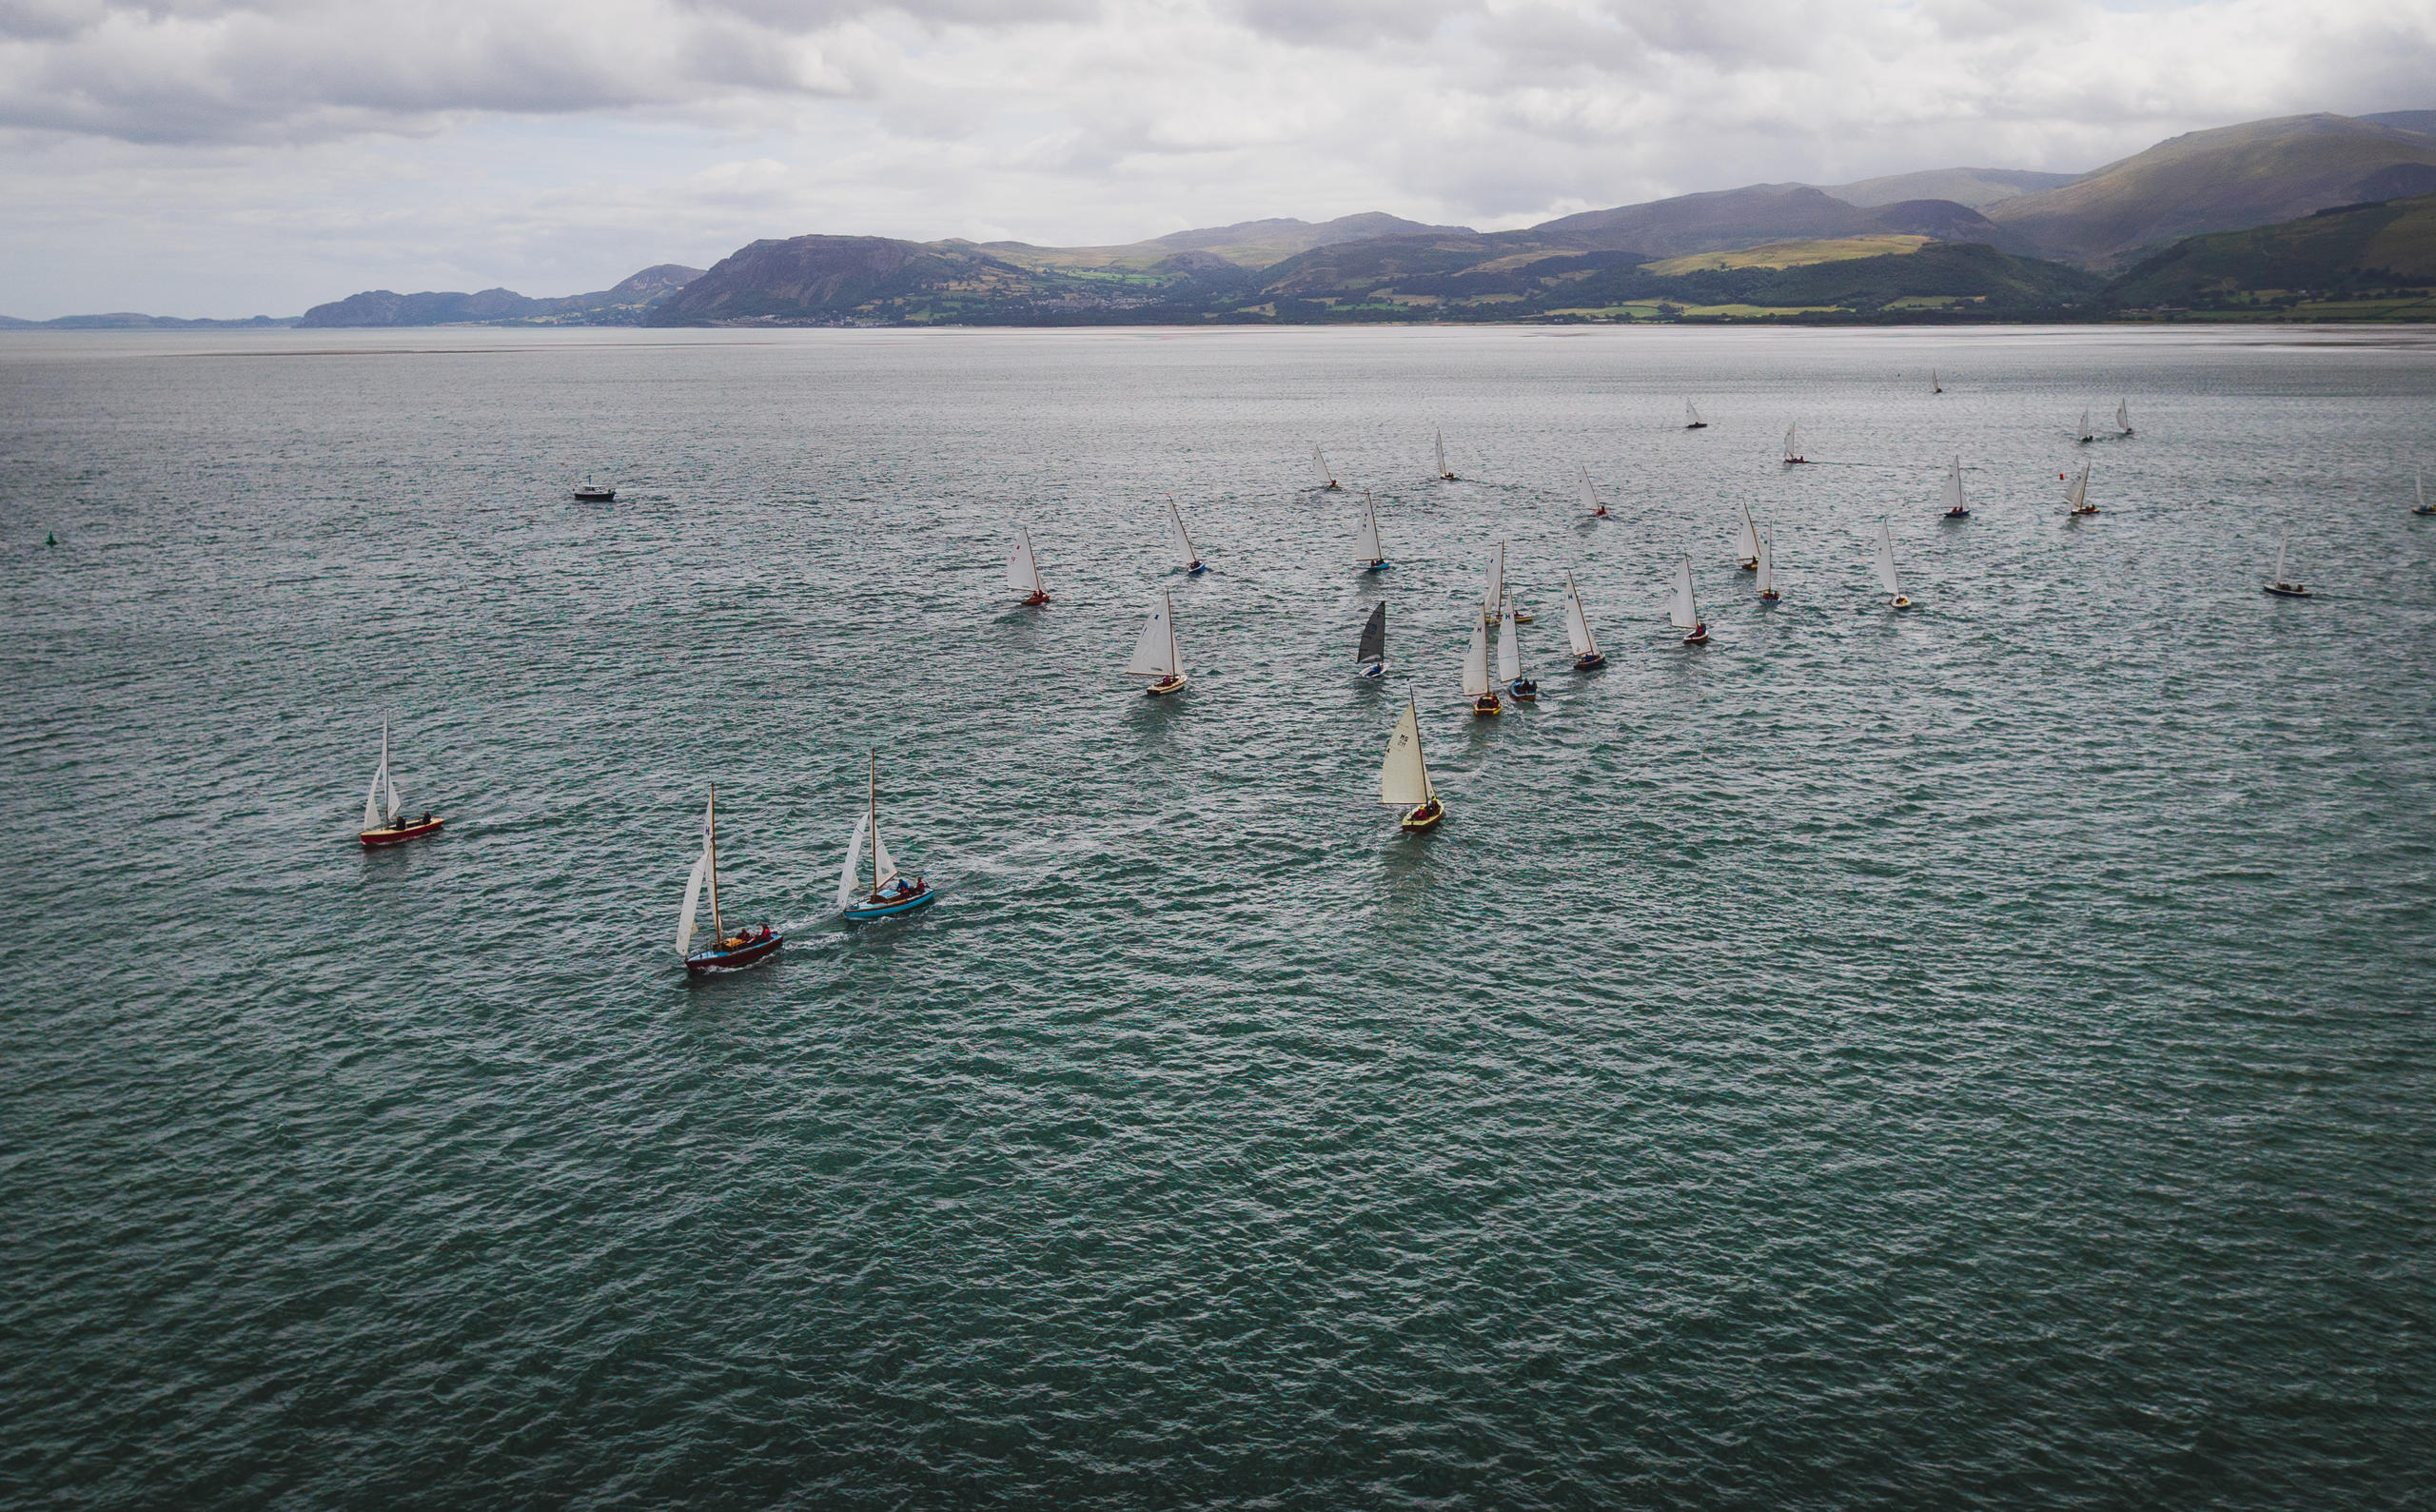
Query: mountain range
x,y
1939,244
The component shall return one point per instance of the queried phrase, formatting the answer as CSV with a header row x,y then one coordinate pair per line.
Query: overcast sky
x,y
197,157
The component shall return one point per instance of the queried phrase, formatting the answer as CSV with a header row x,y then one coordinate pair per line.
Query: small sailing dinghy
x,y
2086,435
1181,540
1321,477
2283,587
1374,557
728,952
1155,654
1023,571
591,493
1692,416
2122,417
1590,497
1683,610
1404,778
1768,568
382,824
1746,544
1372,649
2419,483
1587,654
2077,498
1509,661
1446,475
1955,508
1793,446
892,893
1476,684
1886,576
1934,387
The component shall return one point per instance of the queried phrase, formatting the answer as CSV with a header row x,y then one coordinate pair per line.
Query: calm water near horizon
x,y
1976,1057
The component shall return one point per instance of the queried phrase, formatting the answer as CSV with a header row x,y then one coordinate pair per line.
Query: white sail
x,y
1368,531
372,794
2283,549
1954,485
1747,539
1320,474
1767,562
1691,413
2087,433
2123,416
2418,485
2079,492
1680,607
883,865
1495,598
694,888
1179,537
1509,648
1589,494
1476,661
1934,387
848,879
1023,572
1886,577
1793,443
1404,778
1577,624
1155,653
1441,454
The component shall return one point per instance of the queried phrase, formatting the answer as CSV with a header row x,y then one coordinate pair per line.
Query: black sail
x,y
1374,636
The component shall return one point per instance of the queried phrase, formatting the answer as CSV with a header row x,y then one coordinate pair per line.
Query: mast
x,y
2283,546
874,822
1173,660
718,934
1577,624
1441,454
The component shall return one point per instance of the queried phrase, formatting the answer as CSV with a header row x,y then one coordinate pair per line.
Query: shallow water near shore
x,y
1978,1056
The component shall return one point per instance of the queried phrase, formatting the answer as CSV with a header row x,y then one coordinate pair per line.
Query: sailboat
x,y
591,493
2077,495
1493,601
2419,483
890,893
1590,496
1155,654
1371,651
1444,474
1684,611
1746,544
2123,416
1475,685
1320,476
1023,570
1181,540
2283,587
2086,435
382,824
1768,568
1587,654
1692,416
1509,661
1793,444
1374,557
728,952
1953,506
1886,577
1404,778
1934,387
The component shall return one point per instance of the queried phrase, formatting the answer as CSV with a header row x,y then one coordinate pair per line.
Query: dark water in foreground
x,y
1976,1057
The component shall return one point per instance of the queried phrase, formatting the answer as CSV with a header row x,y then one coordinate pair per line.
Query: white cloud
x,y
206,156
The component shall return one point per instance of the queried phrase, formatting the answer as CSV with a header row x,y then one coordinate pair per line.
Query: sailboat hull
x,y
1771,598
707,963
1381,565
1375,670
1423,819
1750,565
1164,686
2287,590
1036,601
1591,663
1196,569
374,840
865,911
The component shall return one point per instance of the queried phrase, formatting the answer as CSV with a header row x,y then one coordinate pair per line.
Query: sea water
x,y
1980,1054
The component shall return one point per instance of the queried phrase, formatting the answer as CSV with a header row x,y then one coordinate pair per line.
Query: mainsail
x,y
848,879
1179,537
1577,624
1320,474
2123,416
1476,661
1954,487
1886,577
1509,649
2077,495
1155,655
1441,454
1368,531
1793,443
702,868
1495,597
1589,494
1680,608
1747,539
1374,636
1403,779
1691,413
1767,562
1023,572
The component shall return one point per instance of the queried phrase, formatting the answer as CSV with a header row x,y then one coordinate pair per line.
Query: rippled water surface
x,y
1975,1057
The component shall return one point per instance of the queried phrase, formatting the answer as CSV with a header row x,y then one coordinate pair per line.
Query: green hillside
x,y
2355,255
